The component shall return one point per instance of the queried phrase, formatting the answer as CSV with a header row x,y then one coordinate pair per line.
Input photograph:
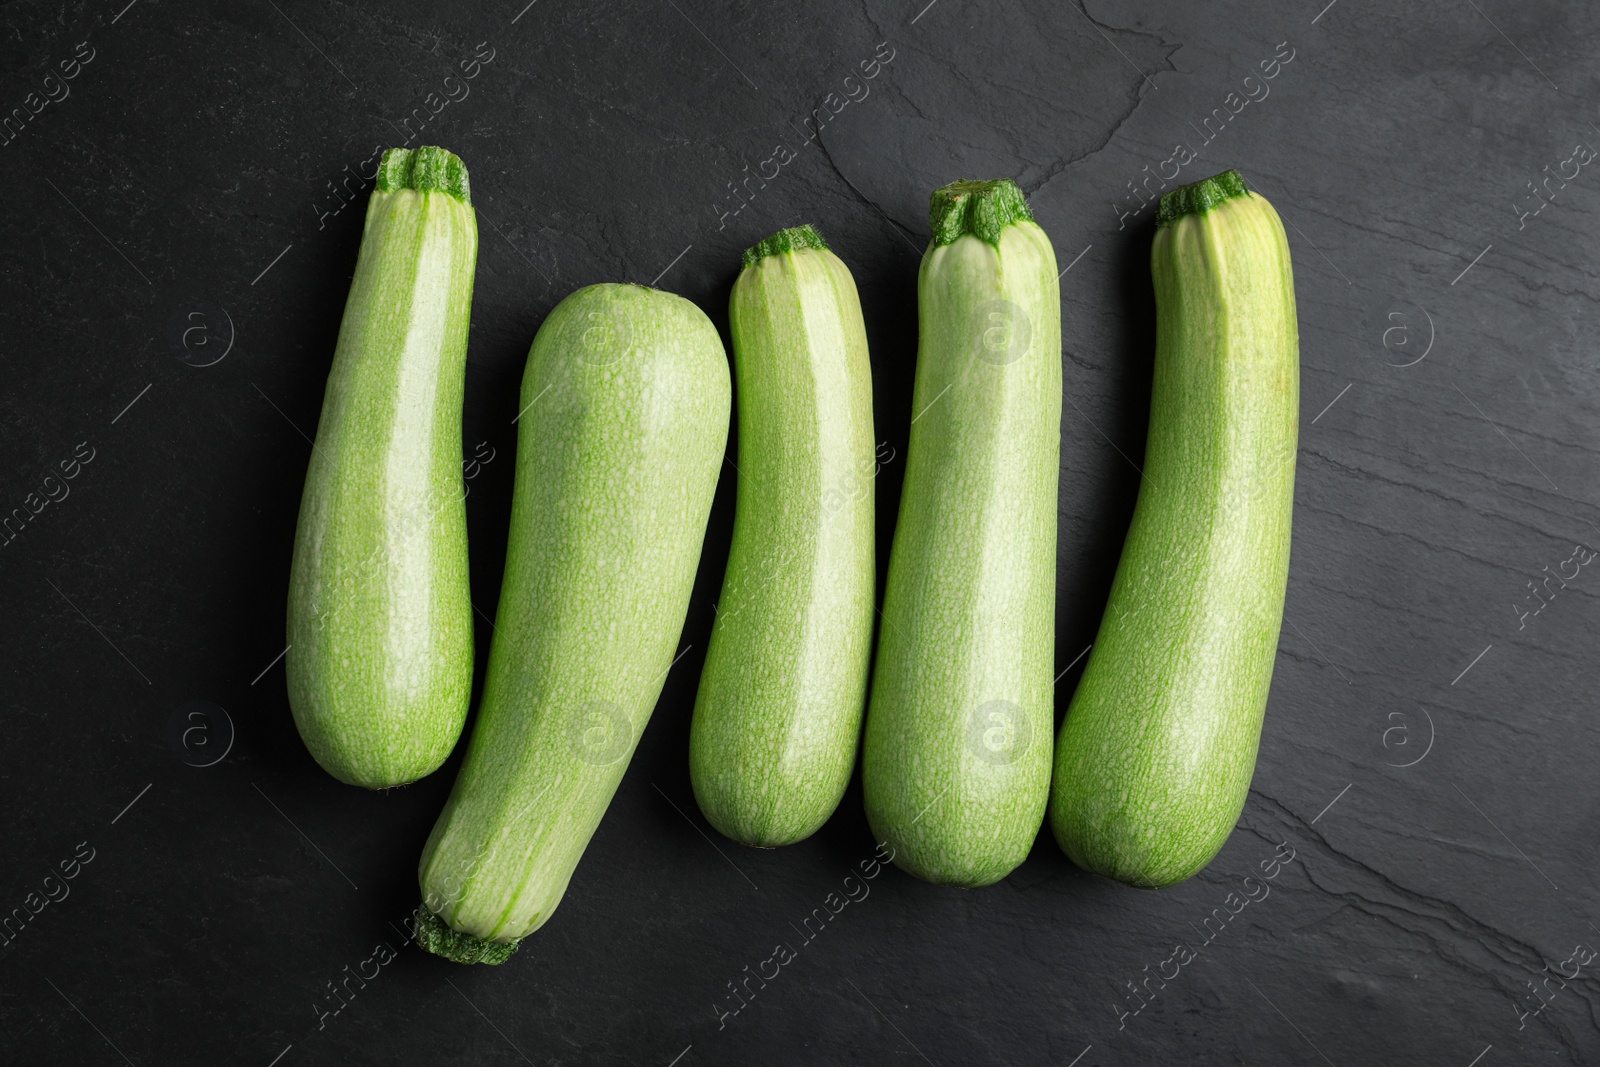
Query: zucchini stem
x,y
1199,197
981,208
791,240
427,169
436,936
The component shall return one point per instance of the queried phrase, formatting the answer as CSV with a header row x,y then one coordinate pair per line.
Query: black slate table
x,y
187,186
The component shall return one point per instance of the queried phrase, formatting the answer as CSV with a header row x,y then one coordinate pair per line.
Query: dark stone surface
x,y
187,173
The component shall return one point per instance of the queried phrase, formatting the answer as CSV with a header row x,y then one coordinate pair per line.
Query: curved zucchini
x,y
778,715
625,400
1155,758
956,760
380,613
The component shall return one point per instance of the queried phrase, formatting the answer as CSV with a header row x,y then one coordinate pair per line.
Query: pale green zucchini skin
x,y
380,613
1154,760
778,716
956,756
625,417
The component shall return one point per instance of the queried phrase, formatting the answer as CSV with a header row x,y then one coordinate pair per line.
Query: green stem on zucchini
x,y
1200,197
425,169
795,239
982,208
435,935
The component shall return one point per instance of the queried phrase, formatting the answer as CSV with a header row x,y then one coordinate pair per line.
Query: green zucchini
x,y
1155,757
778,716
625,399
380,614
956,757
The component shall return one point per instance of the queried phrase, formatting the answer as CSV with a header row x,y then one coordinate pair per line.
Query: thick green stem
x,y
427,169
1200,197
981,208
791,240
435,935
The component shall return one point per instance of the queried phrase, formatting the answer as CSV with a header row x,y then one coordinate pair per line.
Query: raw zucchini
x,y
380,616
778,716
956,759
1155,758
626,399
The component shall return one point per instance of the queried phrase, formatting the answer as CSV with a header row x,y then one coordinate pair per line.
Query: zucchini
x,y
778,716
956,758
1155,757
380,613
616,468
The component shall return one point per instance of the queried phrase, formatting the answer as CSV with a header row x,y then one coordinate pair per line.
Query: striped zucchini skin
x,y
626,399
778,716
956,756
380,613
1155,757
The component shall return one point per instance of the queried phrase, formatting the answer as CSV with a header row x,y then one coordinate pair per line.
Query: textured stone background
x,y
175,206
